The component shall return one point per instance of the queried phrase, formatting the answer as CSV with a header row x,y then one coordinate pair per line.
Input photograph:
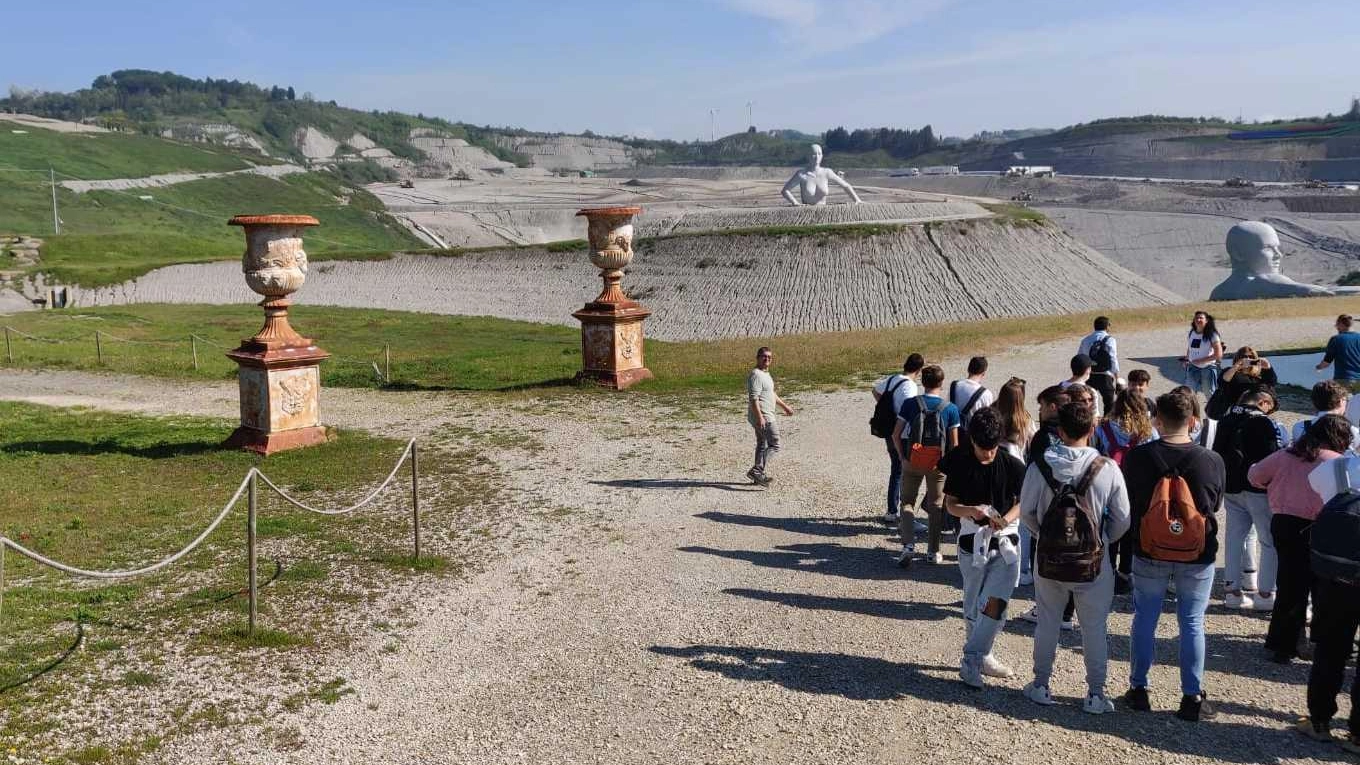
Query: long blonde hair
x,y
1130,413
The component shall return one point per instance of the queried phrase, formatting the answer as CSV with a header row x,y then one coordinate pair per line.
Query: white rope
x,y
27,336
38,558
371,496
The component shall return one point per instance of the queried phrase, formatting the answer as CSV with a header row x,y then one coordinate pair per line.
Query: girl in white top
x,y
1203,352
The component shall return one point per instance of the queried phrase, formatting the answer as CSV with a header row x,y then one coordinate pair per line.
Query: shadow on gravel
x,y
888,609
677,483
821,527
833,559
866,678
1169,367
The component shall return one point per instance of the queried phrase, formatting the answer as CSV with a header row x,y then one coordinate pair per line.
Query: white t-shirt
x,y
1323,477
904,391
1299,426
1088,342
963,390
1353,410
1200,350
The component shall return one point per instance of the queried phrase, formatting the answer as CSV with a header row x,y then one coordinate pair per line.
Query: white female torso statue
x,y
814,182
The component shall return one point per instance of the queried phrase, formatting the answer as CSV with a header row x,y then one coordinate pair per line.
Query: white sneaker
x,y
1039,694
1263,602
1097,704
1237,600
1026,579
936,558
1032,615
992,667
889,519
970,672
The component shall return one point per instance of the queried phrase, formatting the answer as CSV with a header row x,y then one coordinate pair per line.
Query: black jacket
x,y
1246,435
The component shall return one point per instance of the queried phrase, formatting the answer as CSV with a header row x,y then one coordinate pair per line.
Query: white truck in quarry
x,y
1028,171
940,170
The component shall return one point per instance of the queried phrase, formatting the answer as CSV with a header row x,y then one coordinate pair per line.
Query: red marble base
x,y
265,444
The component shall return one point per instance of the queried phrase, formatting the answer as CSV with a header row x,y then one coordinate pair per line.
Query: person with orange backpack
x,y
1175,486
927,428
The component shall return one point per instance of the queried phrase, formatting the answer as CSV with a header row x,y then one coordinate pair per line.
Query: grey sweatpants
x,y
767,444
1093,609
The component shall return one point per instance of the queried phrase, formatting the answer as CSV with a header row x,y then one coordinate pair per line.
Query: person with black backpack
x,y
1100,346
927,428
1335,557
890,393
1175,487
969,394
1247,435
1075,503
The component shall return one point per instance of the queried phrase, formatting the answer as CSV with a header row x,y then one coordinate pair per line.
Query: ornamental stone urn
x,y
280,374
611,324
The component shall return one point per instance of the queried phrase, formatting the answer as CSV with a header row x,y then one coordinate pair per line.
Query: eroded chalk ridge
x,y
715,286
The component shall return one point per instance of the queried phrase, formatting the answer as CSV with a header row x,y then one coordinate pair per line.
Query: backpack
x,y
1173,529
884,421
1231,445
1101,360
967,409
1069,548
927,437
1335,534
1116,452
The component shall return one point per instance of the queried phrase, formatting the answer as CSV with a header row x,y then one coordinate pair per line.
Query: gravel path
x,y
681,615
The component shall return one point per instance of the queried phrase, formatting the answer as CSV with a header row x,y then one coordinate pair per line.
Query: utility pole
x,y
712,125
56,220
750,121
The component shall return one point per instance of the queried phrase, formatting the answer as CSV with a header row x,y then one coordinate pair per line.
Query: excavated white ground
x,y
714,286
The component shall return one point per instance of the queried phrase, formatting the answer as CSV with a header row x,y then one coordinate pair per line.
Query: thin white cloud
x,y
812,27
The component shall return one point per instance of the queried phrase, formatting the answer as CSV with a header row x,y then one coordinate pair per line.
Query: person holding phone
x,y
1248,372
1203,353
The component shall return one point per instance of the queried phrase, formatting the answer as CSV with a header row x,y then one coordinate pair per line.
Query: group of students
x,y
1111,492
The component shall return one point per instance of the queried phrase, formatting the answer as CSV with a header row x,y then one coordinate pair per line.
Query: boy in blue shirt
x,y
927,428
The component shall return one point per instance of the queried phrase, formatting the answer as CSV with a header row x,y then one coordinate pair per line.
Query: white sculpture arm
x,y
787,193
839,181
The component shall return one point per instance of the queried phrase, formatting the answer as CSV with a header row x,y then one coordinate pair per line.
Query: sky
x,y
655,68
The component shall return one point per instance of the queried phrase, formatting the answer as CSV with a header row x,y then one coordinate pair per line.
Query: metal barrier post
x,y
9,350
98,348
193,347
415,497
250,550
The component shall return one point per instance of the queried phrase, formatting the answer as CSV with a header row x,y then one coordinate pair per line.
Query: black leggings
x,y
1293,585
1336,615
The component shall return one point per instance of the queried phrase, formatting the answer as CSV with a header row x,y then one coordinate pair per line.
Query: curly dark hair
x,y
1330,431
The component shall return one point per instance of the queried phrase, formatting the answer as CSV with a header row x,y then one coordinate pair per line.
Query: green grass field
x,y
480,353
106,491
108,155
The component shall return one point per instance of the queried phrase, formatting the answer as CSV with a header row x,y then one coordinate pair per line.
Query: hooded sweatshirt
x,y
1107,492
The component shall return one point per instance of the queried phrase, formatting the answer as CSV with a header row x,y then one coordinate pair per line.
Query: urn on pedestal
x,y
611,324
279,376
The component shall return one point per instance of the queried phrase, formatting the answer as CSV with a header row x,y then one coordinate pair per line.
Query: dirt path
x,y
684,616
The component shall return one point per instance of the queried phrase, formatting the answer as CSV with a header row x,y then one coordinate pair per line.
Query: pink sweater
x,y
1285,479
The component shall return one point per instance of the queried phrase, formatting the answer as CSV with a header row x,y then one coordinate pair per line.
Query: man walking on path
x,y
1068,464
1175,486
899,388
982,489
1343,349
760,412
1100,347
927,428
969,394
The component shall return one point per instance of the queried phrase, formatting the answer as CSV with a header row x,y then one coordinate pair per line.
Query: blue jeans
x,y
894,479
1202,379
1193,584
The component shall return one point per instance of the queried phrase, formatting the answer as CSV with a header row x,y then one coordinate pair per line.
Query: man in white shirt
x,y
1103,351
760,410
902,387
969,394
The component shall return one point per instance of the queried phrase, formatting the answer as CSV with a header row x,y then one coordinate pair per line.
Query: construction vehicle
x,y
1029,171
406,183
1238,182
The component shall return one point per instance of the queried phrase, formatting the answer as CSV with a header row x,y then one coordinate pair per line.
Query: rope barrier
x,y
371,496
35,338
123,574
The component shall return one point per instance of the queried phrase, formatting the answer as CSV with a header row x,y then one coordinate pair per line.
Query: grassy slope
x,y
106,155
111,236
497,354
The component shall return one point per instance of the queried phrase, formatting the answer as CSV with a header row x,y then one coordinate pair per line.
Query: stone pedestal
x,y
279,375
611,324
